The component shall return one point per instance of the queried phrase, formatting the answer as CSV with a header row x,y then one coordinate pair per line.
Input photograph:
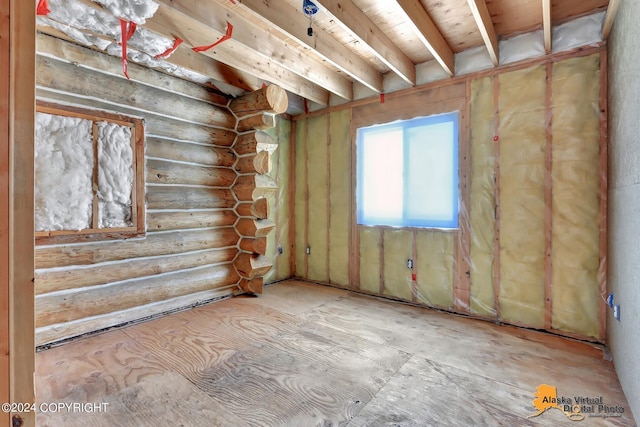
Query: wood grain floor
x,y
309,355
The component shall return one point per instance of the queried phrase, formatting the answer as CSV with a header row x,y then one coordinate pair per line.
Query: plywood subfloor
x,y
310,355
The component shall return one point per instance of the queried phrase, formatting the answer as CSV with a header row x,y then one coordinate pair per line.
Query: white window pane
x,y
115,175
381,177
63,173
430,174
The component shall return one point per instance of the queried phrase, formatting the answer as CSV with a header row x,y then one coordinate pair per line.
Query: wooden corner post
x,y
255,112
17,93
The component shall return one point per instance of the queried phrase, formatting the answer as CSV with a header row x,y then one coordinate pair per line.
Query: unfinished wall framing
x,y
527,250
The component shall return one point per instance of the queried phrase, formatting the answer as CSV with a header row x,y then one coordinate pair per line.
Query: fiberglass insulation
x,y
482,205
576,173
398,248
115,175
317,182
339,197
522,204
63,173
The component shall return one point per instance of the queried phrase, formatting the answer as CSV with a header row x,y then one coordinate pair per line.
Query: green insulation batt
x,y
300,205
482,205
434,267
575,195
279,203
318,203
522,204
271,240
398,248
370,246
339,197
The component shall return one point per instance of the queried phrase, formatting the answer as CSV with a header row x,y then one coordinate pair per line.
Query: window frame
x,y
138,229
404,124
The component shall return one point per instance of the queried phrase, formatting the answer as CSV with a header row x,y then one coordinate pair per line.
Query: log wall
x,y
187,254
527,251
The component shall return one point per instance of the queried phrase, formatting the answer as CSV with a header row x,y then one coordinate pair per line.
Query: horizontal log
x,y
259,208
250,266
65,77
80,277
192,153
170,197
177,129
254,163
256,245
246,186
168,172
101,63
254,142
269,99
180,220
253,286
256,122
61,308
153,245
248,227
60,331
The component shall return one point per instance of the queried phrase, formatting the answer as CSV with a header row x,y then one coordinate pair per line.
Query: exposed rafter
x,y
429,34
283,16
546,24
360,25
485,25
612,11
173,22
247,41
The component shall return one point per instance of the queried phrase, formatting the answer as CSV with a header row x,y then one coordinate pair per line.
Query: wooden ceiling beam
x,y
429,34
283,15
360,25
487,30
612,11
188,59
250,48
546,24
185,59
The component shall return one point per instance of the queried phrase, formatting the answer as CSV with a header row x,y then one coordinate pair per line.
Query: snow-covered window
x,y
89,181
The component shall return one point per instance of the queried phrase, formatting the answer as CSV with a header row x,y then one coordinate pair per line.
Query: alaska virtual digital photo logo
x,y
576,408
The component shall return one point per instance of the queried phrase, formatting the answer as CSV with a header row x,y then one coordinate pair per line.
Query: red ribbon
x,y
382,98
127,29
227,36
43,7
177,42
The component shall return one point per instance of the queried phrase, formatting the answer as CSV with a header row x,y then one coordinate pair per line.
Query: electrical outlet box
x,y
308,250
280,250
410,264
610,300
616,312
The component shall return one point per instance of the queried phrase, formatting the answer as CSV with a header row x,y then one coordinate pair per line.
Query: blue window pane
x,y
408,173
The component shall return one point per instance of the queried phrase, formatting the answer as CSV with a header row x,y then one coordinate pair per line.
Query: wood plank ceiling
x,y
353,40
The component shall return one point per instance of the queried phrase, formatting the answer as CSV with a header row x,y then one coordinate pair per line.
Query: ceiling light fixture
x,y
309,9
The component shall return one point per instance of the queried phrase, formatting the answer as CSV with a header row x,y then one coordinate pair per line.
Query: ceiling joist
x,y
546,24
212,19
429,34
485,25
360,25
171,21
283,16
